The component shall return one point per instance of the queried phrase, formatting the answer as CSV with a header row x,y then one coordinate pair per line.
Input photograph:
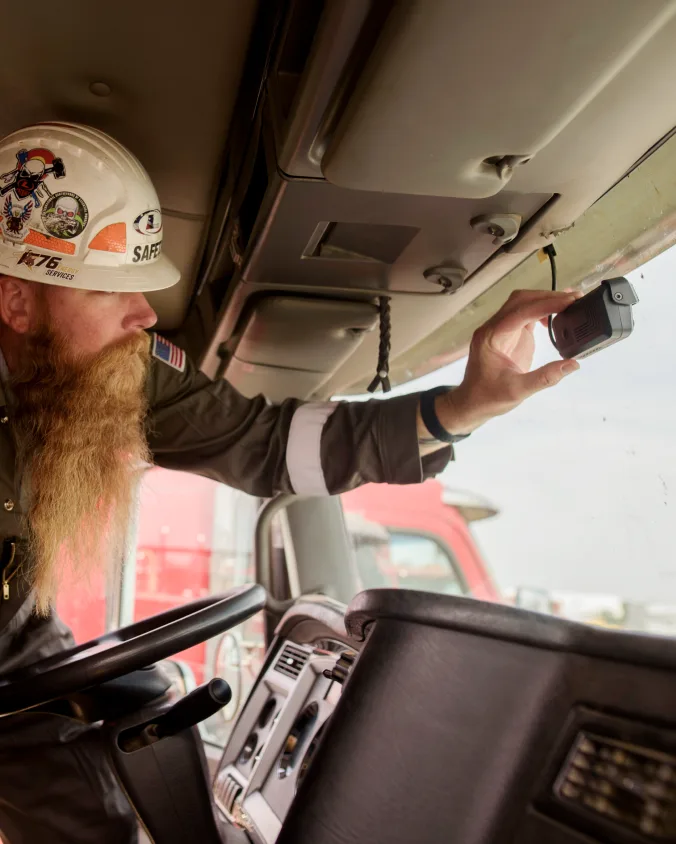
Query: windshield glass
x,y
581,479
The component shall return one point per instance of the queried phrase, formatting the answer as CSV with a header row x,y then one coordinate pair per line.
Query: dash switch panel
x,y
630,787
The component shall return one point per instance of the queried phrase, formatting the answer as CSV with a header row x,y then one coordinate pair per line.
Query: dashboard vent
x,y
227,791
629,785
291,661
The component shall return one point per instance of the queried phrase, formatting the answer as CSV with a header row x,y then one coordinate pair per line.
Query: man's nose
x,y
141,315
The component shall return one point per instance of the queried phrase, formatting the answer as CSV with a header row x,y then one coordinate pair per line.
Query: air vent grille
x,y
631,786
589,328
291,661
227,790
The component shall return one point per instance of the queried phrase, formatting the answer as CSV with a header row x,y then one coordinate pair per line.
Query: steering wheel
x,y
128,649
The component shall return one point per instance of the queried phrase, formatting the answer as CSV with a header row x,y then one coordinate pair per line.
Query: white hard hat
x,y
77,209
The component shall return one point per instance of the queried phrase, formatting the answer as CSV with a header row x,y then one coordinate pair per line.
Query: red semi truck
x,y
421,537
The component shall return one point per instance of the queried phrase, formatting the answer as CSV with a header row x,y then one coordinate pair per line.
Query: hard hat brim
x,y
126,278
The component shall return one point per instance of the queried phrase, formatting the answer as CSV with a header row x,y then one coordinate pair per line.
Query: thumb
x,y
548,376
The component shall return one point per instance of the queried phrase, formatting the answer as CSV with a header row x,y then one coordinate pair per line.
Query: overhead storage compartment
x,y
458,95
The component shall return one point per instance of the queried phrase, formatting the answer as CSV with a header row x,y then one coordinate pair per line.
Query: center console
x,y
278,731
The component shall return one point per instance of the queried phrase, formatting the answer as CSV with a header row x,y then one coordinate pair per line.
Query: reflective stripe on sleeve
x,y
304,448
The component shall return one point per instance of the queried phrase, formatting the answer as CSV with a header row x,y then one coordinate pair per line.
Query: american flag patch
x,y
168,353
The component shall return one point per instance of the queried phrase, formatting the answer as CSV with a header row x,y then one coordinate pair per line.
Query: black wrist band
x,y
430,419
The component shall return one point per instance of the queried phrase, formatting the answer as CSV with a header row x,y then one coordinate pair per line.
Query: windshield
x,y
583,479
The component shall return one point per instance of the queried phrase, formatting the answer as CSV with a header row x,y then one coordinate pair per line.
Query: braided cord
x,y
382,376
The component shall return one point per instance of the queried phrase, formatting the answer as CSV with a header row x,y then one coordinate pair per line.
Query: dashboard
x,y
280,726
439,718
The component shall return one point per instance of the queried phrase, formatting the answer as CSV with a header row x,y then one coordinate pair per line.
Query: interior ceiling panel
x,y
442,229
172,71
578,91
628,226
585,88
631,224
454,86
437,229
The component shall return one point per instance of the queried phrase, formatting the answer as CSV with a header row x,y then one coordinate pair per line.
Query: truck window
x,y
420,562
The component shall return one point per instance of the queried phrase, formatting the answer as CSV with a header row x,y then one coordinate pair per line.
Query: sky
x,y
584,474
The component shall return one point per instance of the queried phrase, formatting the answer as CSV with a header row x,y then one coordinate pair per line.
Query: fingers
x,y
519,297
533,311
520,300
578,295
547,376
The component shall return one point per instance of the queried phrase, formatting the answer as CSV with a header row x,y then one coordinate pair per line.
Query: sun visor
x,y
459,96
291,345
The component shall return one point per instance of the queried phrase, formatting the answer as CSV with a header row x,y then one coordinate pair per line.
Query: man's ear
x,y
18,303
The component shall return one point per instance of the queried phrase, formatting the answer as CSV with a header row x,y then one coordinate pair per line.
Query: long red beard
x,y
82,446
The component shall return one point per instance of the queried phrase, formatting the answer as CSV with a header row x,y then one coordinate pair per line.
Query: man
x,y
89,398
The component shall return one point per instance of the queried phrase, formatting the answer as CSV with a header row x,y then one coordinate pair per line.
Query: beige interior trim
x,y
167,76
631,224
452,85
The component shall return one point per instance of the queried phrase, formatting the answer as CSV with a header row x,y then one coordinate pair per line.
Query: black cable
x,y
382,376
550,252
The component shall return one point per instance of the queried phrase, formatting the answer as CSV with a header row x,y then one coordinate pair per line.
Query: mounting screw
x,y
451,278
618,297
503,228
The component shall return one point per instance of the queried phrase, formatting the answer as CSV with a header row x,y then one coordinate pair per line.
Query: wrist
x,y
457,413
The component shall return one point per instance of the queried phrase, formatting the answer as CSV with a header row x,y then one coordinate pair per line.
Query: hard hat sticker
x,y
65,215
48,265
45,241
27,180
149,252
111,239
14,219
149,223
35,259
